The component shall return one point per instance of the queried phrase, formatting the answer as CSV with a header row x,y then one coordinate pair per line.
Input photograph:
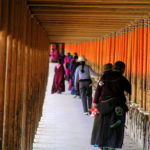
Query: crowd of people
x,y
109,102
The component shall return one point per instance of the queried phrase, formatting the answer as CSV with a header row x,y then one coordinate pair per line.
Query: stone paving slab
x,y
63,125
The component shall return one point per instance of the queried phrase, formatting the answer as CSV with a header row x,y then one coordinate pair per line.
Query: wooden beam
x,y
53,22
70,17
69,39
81,29
89,1
75,9
91,14
0,14
69,26
92,5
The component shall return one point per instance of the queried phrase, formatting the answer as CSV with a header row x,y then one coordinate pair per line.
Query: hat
x,y
81,58
107,67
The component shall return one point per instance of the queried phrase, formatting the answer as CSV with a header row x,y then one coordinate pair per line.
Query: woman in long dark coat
x,y
108,128
59,79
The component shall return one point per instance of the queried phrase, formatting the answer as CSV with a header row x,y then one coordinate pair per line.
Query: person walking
x,y
59,79
82,75
108,128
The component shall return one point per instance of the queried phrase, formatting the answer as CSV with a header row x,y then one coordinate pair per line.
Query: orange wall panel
x,y
129,45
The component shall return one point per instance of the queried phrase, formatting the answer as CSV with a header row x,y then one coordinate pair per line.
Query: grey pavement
x,y
63,125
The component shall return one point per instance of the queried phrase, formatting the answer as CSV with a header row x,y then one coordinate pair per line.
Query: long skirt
x,y
105,137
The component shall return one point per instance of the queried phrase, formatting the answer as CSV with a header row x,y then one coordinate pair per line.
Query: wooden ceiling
x,y
68,21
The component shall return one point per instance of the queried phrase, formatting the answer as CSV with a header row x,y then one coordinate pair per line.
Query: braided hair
x,y
82,63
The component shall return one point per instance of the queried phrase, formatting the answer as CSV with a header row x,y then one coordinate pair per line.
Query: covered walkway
x,y
63,125
104,31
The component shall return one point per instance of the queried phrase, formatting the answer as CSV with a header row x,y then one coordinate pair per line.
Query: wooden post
x,y
23,49
3,38
24,80
0,15
19,75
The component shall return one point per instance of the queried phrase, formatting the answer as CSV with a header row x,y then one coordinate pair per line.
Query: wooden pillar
x,y
3,38
7,106
19,79
24,59
0,15
24,80
28,114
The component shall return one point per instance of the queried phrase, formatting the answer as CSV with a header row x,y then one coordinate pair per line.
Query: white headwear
x,y
81,58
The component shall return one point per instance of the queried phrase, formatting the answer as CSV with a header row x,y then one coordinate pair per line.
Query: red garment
x,y
59,80
66,60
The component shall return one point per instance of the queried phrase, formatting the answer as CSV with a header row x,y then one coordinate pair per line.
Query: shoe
x,y
75,96
85,113
59,92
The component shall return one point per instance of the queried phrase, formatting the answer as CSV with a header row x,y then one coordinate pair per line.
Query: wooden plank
x,y
24,81
7,143
89,1
84,9
0,14
80,19
86,28
70,16
109,5
81,24
28,115
17,77
3,38
79,13
13,31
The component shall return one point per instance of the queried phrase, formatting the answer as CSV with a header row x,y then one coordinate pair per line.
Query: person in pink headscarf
x,y
52,55
56,53
67,61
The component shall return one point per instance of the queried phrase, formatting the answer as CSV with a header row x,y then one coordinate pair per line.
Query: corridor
x,y
63,125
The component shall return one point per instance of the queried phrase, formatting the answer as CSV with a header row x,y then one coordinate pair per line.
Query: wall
x,y
132,46
24,59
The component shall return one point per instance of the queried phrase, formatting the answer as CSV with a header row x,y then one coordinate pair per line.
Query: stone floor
x,y
63,125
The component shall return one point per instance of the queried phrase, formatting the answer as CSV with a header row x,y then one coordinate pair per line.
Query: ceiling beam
x,y
91,5
76,9
83,20
63,16
83,23
97,14
89,1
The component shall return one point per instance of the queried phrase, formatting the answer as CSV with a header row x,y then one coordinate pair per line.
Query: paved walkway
x,y
63,125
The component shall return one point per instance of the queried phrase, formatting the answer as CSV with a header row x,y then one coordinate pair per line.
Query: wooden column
x,y
7,98
24,79
24,59
3,39
0,14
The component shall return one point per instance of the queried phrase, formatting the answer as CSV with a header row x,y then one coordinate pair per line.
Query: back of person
x,y
108,128
85,74
82,75
115,84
